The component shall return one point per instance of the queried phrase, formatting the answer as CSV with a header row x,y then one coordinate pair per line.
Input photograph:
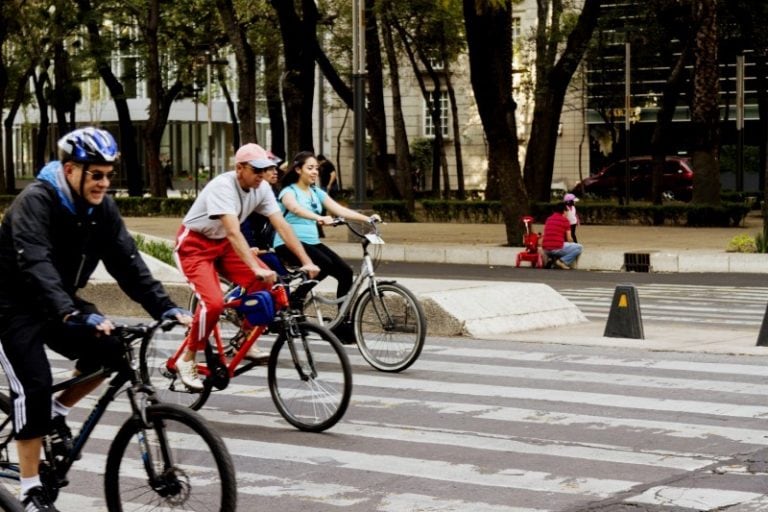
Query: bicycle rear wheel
x,y
176,462
390,327
310,377
153,356
6,423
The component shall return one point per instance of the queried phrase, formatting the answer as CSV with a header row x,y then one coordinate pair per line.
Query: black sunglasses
x,y
99,175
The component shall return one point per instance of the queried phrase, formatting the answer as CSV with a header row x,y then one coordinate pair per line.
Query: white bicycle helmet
x,y
88,146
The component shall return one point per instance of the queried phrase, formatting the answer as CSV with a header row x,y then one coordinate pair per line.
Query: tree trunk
x,y
376,121
490,26
272,94
661,135
299,77
222,79
246,69
460,192
129,153
705,114
20,92
160,101
41,141
403,172
552,81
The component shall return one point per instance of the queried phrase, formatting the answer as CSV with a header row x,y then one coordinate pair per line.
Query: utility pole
x,y
358,80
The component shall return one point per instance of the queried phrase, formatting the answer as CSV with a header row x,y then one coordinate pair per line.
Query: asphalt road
x,y
560,278
491,426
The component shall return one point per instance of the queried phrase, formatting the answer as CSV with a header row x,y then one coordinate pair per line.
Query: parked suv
x,y
677,180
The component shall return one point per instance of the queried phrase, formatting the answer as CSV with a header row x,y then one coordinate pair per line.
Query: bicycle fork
x,y
166,482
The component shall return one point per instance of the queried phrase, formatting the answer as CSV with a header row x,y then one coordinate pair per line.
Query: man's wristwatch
x,y
70,315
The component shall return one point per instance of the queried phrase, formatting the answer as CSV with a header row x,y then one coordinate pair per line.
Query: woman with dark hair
x,y
303,202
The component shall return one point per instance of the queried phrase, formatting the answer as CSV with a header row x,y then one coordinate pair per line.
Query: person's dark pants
x,y
22,354
330,264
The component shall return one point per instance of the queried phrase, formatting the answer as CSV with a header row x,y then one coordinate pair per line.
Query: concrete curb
x,y
603,260
452,307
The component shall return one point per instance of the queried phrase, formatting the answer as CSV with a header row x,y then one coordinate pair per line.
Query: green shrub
x,y
742,243
160,250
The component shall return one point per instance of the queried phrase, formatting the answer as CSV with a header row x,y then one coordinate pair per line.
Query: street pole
x,y
627,106
210,114
358,79
740,123
197,143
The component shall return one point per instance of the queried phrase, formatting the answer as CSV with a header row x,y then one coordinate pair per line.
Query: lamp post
x,y
210,112
740,123
627,106
196,92
358,80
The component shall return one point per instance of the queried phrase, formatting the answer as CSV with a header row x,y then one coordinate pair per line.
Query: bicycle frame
x,y
137,389
346,302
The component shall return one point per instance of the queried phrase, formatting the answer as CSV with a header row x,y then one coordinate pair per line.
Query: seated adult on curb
x,y
51,239
210,242
556,242
304,204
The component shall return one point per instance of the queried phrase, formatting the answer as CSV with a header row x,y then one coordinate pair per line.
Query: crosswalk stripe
x,y
554,426
723,305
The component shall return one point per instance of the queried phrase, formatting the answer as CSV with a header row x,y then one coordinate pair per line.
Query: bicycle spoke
x,y
188,466
390,327
316,396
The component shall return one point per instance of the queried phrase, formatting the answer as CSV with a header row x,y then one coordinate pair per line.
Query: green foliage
x,y
421,155
729,214
160,250
742,243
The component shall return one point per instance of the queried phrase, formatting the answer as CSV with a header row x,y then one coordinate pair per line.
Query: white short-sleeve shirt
x,y
224,196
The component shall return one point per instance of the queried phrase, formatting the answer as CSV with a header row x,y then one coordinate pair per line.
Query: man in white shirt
x,y
210,243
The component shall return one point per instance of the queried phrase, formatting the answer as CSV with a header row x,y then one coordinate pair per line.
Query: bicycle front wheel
x,y
8,502
390,327
310,377
173,462
153,357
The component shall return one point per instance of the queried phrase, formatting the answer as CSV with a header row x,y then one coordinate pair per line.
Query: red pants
x,y
202,260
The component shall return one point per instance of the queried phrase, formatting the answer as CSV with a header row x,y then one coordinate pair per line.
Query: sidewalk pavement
x,y
533,312
670,249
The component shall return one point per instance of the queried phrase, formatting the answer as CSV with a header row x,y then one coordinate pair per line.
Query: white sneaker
x,y
256,354
188,374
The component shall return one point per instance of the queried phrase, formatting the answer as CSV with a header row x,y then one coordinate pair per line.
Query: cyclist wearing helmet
x,y
51,239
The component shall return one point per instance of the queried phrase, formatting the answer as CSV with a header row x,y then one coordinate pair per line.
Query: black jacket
x,y
49,248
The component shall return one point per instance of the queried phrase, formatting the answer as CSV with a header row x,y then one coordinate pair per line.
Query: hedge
x,y
728,214
486,212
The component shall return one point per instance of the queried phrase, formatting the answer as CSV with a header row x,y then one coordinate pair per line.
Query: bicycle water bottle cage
x,y
258,308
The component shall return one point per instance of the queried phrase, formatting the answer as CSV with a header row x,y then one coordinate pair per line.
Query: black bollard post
x,y
624,319
762,338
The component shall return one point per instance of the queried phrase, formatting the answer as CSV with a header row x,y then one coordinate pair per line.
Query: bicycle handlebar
x,y
341,221
136,331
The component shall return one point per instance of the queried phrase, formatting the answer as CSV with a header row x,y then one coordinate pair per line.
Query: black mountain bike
x,y
164,457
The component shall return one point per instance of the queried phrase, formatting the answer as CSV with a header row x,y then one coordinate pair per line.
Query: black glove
x,y
173,312
78,319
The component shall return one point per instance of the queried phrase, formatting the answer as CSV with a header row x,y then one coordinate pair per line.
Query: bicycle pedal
x,y
165,372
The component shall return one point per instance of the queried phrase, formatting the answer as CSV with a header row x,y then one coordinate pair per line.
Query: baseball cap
x,y
570,197
255,156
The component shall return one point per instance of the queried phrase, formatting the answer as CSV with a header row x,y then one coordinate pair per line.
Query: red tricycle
x,y
532,252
